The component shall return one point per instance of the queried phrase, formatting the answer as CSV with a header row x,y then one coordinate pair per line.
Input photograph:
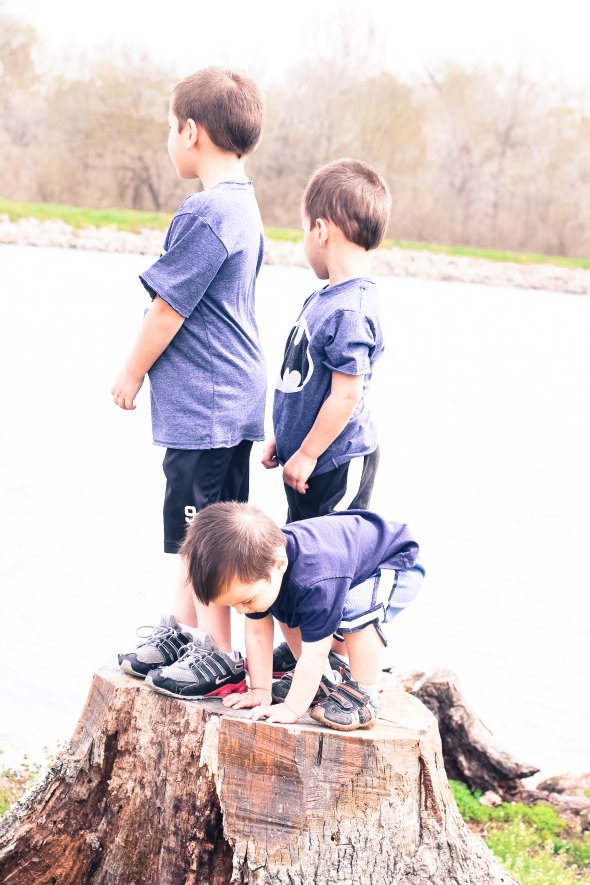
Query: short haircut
x,y
354,197
226,542
227,104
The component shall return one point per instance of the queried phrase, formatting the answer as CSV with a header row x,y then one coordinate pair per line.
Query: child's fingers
x,y
281,718
237,701
260,712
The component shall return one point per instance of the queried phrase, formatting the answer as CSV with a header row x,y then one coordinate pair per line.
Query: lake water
x,y
482,406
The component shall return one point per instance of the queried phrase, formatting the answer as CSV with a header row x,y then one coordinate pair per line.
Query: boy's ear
x,y
282,562
192,133
321,228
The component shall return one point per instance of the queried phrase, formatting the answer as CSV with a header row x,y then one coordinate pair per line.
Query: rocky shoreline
x,y
392,262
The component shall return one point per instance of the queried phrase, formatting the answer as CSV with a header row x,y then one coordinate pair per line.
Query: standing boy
x,y
199,343
324,437
350,572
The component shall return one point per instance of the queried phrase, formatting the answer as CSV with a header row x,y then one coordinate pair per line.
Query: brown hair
x,y
354,197
226,103
229,541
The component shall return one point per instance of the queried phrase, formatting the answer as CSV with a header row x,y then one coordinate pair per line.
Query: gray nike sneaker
x,y
162,646
196,676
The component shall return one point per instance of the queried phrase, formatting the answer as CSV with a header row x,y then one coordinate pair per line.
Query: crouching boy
x,y
347,573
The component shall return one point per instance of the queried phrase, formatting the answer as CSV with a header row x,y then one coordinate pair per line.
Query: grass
x,y
133,221
532,842
79,217
491,254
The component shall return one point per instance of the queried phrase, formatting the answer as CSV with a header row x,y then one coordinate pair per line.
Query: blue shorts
x,y
379,599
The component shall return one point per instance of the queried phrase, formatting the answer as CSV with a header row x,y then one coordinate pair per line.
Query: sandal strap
x,y
347,697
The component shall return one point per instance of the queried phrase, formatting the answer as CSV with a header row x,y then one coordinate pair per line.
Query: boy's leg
x,y
213,619
194,480
355,704
293,637
365,651
216,621
184,606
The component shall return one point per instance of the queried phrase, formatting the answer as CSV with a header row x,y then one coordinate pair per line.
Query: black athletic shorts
x,y
200,477
348,487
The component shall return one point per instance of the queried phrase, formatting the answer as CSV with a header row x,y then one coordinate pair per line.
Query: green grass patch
x,y
134,220
491,254
530,857
532,842
284,234
541,816
79,217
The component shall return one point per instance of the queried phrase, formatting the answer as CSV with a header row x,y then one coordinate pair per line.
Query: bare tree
x,y
473,156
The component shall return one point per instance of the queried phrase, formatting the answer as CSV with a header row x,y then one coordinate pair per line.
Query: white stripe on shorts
x,y
353,483
387,578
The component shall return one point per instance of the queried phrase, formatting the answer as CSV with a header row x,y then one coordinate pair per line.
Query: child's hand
x,y
125,389
269,454
276,713
297,471
252,698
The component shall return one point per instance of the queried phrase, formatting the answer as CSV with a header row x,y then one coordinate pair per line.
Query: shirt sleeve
x,y
184,272
350,341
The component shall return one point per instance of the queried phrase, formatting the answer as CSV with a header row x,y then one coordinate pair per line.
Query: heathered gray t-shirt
x,y
338,330
208,386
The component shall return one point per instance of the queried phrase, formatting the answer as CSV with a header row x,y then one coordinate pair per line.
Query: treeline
x,y
473,157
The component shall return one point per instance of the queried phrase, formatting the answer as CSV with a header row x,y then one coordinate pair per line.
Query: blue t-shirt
x,y
328,556
208,386
338,330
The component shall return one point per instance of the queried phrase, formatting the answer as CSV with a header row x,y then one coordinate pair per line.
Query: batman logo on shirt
x,y
297,366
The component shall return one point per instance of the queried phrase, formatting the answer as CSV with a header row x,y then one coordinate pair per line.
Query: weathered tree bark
x,y
470,753
155,791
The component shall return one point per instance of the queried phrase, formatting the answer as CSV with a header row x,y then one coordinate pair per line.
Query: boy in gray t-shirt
x,y
199,344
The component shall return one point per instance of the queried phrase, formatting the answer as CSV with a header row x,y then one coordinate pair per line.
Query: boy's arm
x,y
259,640
306,679
331,420
159,327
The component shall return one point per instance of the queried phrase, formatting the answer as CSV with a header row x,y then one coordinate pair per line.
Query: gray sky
x,y
549,40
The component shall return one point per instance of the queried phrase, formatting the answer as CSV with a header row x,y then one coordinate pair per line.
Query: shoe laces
x,y
194,651
156,633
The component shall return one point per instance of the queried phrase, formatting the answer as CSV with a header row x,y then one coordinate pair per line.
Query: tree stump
x,y
155,791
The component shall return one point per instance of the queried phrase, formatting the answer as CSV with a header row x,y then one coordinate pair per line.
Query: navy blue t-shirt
x,y
208,386
328,556
338,330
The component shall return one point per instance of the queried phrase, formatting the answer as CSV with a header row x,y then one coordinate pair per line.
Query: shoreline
x,y
390,262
